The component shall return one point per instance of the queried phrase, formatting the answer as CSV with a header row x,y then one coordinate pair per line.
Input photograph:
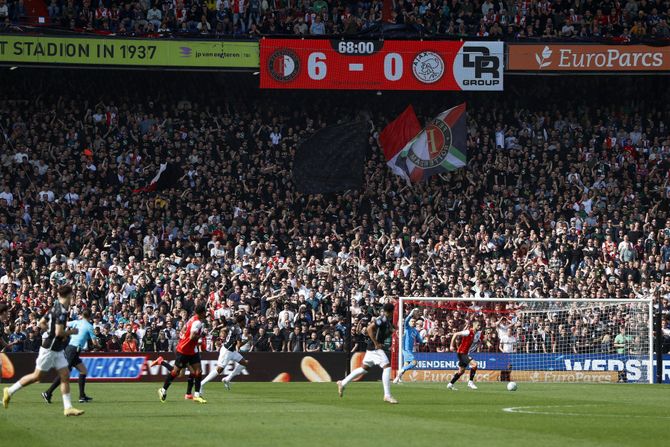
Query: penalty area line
x,y
537,410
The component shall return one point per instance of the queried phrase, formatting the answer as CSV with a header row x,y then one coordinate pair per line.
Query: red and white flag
x,y
395,137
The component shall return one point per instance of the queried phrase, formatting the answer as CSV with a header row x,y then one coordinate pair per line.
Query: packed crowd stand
x,y
567,198
502,19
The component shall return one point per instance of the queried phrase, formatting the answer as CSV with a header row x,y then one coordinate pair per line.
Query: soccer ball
x,y
511,386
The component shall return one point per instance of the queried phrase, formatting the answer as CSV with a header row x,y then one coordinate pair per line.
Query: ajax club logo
x,y
284,65
434,152
428,67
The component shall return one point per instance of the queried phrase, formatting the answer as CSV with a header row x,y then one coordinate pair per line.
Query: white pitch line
x,y
525,410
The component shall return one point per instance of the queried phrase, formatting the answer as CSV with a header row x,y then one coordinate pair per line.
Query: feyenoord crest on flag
x,y
439,147
434,152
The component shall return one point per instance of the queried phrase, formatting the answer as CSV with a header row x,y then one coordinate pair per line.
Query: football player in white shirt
x,y
229,353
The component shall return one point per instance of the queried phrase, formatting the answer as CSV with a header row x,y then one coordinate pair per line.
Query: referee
x,y
78,342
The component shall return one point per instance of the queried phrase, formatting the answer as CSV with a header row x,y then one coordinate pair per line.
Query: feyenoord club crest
x,y
284,65
438,141
428,67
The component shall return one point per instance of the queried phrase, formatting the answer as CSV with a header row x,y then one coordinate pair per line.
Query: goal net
x,y
532,340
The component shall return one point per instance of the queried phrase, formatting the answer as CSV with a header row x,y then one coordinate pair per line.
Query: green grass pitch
x,y
311,414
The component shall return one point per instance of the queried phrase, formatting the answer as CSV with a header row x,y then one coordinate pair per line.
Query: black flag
x,y
167,177
332,159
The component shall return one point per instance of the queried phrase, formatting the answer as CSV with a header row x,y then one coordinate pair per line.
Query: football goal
x,y
531,340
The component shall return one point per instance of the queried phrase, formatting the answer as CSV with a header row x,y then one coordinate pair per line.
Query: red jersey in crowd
x,y
187,345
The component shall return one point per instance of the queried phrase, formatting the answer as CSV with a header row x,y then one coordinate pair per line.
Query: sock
x,y
354,374
53,386
82,384
167,366
211,376
407,367
189,385
473,371
456,377
386,381
14,388
67,401
197,381
168,381
238,369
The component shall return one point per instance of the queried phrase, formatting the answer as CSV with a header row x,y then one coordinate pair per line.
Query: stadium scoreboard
x,y
381,64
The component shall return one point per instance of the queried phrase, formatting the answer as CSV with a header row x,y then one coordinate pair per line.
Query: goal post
x,y
533,340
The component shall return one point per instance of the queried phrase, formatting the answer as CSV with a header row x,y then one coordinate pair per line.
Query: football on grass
x,y
511,386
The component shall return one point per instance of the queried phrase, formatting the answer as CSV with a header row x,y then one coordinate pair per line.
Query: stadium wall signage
x,y
444,376
327,367
265,367
587,58
570,364
381,65
128,52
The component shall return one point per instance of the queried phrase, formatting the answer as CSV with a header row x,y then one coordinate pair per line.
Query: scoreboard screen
x,y
381,65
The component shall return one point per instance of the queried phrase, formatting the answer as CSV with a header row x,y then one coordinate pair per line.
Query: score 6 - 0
x,y
317,66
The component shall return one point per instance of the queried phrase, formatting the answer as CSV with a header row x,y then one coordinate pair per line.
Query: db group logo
x,y
479,66
284,65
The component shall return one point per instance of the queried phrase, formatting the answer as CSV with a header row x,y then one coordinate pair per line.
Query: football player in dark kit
x,y
77,344
51,355
378,331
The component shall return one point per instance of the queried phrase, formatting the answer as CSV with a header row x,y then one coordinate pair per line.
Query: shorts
x,y
407,356
183,360
375,358
226,356
72,356
464,360
48,360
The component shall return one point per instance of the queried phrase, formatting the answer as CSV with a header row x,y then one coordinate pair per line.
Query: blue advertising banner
x,y
635,366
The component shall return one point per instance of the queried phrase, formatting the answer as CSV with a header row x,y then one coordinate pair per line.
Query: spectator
x,y
247,341
622,341
129,343
149,342
317,27
162,344
113,344
155,16
261,341
296,340
277,340
17,339
328,344
32,343
203,26
313,344
4,10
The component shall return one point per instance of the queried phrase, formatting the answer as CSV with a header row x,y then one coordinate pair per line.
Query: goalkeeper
x,y
410,337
